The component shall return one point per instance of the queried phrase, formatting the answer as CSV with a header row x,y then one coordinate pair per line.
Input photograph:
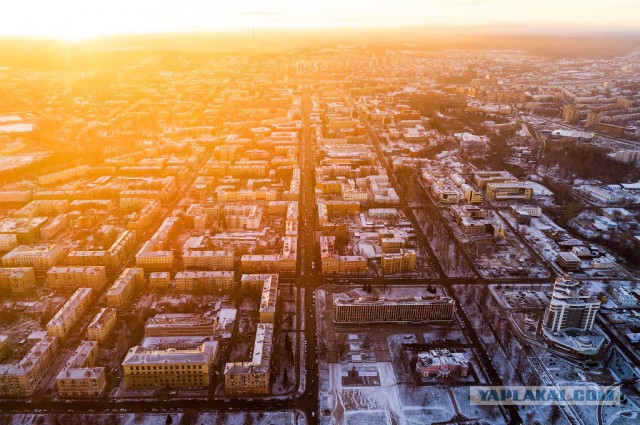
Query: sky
x,y
81,19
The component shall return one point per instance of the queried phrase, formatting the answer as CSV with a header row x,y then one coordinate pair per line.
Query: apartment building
x,y
392,245
69,314
17,280
402,262
77,277
256,282
40,257
209,260
209,281
79,378
20,380
8,241
112,258
268,299
252,377
170,368
103,325
153,256
333,264
159,280
571,306
284,263
15,196
121,293
43,208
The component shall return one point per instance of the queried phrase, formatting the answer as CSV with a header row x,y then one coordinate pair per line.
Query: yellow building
x,y
391,245
170,368
79,378
471,195
205,281
77,277
111,258
5,344
284,263
70,313
121,293
8,241
103,325
40,257
153,256
19,380
402,262
159,280
510,191
253,377
17,279
268,299
333,264
209,260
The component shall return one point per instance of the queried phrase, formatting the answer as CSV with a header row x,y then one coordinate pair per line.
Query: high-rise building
x,y
570,307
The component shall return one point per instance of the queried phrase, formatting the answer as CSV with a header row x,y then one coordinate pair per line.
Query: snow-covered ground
x,y
218,418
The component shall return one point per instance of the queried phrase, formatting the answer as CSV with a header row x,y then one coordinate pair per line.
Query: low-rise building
x,y
510,191
205,281
624,298
268,298
40,257
79,378
103,325
153,256
442,363
170,368
17,280
180,324
77,277
484,178
19,380
121,293
5,344
69,314
284,263
392,245
568,261
473,220
209,260
112,258
8,241
252,377
402,262
159,280
334,264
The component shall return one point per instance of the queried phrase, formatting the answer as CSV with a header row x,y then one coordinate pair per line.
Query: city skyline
x,y
75,20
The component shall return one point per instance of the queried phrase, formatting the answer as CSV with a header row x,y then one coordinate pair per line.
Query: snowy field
x,y
218,418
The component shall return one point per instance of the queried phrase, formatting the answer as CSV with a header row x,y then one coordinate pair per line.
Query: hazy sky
x,y
76,19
